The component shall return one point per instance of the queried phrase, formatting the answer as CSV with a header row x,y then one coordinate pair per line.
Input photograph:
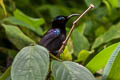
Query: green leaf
x,y
68,70
16,36
111,34
82,56
29,20
95,2
112,69
89,28
66,55
99,31
3,6
107,6
79,42
26,21
70,46
100,60
31,63
15,21
115,3
100,14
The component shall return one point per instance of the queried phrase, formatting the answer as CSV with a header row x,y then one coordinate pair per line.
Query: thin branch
x,y
54,57
73,26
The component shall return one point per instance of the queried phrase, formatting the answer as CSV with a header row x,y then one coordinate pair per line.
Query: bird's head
x,y
60,21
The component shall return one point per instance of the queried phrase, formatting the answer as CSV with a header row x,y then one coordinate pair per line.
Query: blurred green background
x,y
23,22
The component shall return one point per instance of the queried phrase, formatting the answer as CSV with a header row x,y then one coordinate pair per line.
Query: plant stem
x,y
54,57
5,74
73,26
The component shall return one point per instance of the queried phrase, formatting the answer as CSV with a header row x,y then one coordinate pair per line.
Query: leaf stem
x,y
54,57
5,74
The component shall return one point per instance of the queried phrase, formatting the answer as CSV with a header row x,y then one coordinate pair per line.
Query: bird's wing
x,y
49,36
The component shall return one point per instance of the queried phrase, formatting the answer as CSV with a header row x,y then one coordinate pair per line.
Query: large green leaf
x,y
31,63
34,22
15,21
115,3
100,60
16,36
95,2
111,34
79,42
26,21
68,70
112,69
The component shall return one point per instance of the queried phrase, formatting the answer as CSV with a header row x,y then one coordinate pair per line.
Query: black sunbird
x,y
55,36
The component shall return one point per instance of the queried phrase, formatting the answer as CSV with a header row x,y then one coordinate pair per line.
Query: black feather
x,y
54,38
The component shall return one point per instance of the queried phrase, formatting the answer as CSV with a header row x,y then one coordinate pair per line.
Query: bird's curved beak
x,y
72,15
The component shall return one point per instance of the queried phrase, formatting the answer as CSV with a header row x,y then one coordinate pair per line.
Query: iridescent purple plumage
x,y
54,38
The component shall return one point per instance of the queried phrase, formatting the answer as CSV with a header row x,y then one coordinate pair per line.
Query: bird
x,y
54,37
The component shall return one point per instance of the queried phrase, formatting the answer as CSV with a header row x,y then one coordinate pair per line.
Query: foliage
x,y
30,63
93,46
68,70
99,61
112,65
